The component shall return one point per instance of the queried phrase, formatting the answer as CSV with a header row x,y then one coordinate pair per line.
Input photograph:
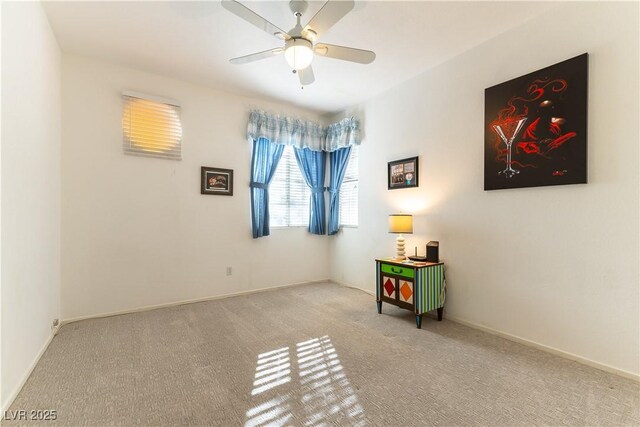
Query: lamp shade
x,y
298,53
401,223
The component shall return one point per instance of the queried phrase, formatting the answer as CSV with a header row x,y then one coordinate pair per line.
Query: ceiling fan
x,y
300,42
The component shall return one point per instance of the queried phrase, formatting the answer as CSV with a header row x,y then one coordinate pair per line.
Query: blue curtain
x,y
339,160
312,164
264,160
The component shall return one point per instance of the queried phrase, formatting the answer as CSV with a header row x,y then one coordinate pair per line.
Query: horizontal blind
x,y
289,195
151,128
349,191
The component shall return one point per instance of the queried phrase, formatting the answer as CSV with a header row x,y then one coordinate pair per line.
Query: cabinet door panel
x,y
388,287
405,291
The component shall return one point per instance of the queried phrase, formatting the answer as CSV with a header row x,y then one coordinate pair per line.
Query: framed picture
x,y
402,173
216,181
535,128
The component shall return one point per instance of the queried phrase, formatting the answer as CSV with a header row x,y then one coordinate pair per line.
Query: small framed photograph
x,y
402,173
216,181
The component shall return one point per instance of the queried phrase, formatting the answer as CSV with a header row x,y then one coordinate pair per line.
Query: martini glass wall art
x,y
536,128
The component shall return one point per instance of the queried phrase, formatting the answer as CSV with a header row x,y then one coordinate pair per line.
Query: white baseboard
x,y
548,349
510,337
182,302
7,403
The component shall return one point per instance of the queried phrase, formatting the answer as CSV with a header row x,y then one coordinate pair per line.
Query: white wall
x,y
30,189
136,231
558,265
2,402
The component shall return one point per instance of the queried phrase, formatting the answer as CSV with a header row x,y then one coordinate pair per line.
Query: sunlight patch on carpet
x,y
310,388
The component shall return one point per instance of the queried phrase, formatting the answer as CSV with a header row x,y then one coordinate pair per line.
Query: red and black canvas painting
x,y
536,128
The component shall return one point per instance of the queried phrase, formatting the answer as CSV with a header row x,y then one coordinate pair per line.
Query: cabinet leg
x,y
379,307
440,312
418,321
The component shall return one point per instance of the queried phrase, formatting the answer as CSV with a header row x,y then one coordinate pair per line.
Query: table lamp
x,y
400,223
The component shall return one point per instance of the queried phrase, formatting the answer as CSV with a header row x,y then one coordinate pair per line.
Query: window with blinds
x,y
349,192
289,196
151,127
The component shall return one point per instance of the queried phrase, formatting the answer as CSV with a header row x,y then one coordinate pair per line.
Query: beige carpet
x,y
307,356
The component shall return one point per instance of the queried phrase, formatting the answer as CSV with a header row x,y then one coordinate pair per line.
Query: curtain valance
x,y
303,134
344,133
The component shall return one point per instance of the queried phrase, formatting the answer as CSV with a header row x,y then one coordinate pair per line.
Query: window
x,y
289,196
151,127
349,192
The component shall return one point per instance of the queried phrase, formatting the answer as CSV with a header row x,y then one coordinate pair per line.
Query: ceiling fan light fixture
x,y
298,53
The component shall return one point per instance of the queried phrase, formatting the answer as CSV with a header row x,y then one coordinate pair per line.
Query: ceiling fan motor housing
x,y
298,7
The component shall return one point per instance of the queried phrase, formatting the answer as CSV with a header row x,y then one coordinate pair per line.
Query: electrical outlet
x,y
229,271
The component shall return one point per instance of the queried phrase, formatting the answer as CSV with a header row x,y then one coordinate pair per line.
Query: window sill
x,y
348,226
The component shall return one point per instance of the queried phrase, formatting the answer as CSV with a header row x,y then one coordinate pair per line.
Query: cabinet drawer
x,y
397,270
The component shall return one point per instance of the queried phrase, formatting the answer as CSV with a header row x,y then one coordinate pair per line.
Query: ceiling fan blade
x,y
257,56
306,76
330,13
345,53
251,17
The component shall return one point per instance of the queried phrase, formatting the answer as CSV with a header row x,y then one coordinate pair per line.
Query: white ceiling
x,y
194,41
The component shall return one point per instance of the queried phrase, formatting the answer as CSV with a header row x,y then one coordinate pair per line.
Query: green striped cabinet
x,y
419,287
